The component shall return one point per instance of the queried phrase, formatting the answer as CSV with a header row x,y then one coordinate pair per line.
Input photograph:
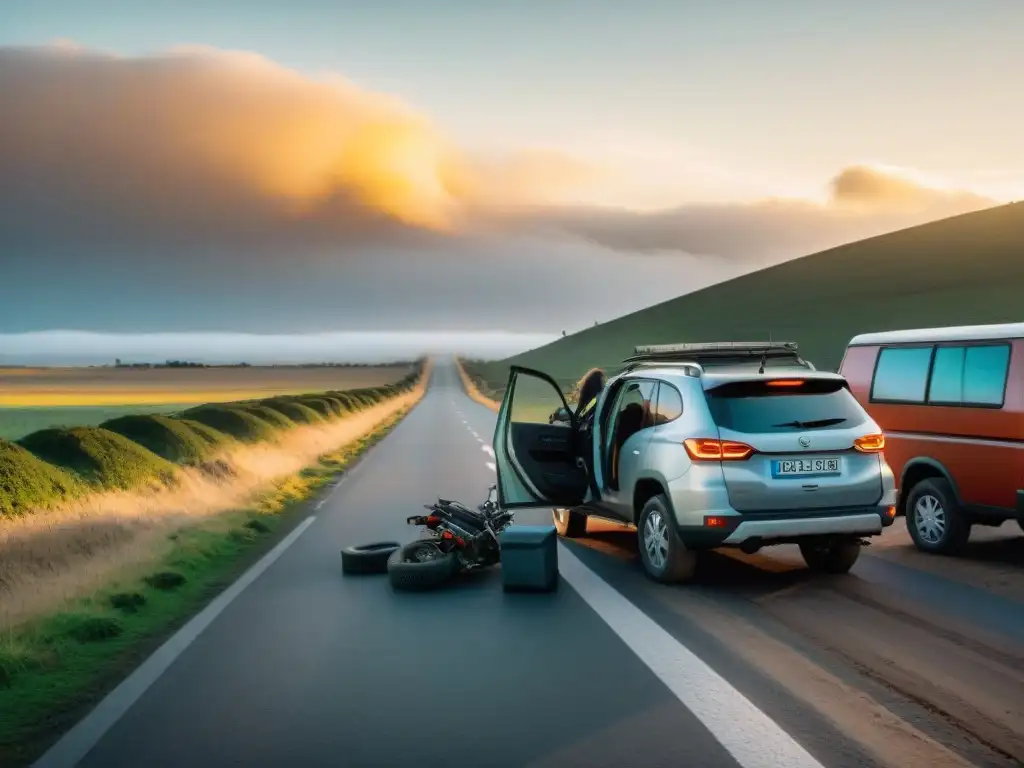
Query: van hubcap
x,y
930,519
656,539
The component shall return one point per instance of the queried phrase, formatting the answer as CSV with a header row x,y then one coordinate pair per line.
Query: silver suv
x,y
702,446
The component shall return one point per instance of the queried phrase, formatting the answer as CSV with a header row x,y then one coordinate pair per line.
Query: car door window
x,y
635,411
535,401
535,459
668,405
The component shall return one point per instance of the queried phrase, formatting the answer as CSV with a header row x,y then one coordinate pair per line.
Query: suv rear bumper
x,y
782,526
1020,505
864,524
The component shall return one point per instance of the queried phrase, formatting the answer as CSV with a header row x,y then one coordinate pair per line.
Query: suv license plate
x,y
805,467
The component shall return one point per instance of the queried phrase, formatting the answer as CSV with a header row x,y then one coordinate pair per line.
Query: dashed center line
x,y
488,450
490,466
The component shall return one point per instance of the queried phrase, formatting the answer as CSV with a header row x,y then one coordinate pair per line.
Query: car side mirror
x,y
561,415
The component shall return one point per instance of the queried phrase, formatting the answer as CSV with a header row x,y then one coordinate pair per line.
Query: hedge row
x,y
59,464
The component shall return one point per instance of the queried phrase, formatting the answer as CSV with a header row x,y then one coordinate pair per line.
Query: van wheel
x,y
666,559
569,523
830,558
934,518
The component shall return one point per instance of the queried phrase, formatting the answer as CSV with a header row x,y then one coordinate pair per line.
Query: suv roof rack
x,y
697,347
697,354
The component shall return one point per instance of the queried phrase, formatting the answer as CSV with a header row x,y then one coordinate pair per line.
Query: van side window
x,y
669,404
970,375
901,375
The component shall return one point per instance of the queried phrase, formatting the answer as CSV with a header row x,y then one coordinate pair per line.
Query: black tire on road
x,y
672,563
833,558
368,558
935,497
569,523
409,573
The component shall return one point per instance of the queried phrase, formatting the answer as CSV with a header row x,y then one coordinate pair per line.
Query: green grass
x,y
52,670
326,407
48,466
273,417
27,482
233,421
176,440
16,422
99,457
963,270
294,410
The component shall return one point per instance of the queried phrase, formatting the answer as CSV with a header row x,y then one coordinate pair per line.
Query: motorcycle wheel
x,y
420,566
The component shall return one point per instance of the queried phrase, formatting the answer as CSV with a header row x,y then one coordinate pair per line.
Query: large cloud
x,y
200,145
210,154
863,202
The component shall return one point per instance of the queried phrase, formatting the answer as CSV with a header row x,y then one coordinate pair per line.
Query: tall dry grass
x,y
473,391
51,557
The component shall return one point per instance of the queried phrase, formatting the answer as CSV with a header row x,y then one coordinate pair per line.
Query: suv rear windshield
x,y
754,406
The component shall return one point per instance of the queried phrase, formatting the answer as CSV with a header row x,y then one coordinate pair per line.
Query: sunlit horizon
x,y
81,348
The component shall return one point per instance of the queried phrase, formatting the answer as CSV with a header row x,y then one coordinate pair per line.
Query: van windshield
x,y
757,407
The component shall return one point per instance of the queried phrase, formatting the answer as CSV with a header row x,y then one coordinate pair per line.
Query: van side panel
x,y
858,367
981,448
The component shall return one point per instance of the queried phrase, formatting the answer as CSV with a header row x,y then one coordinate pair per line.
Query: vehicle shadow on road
x,y
1009,551
716,569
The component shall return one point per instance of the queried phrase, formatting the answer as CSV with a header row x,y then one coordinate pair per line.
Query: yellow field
x,y
62,387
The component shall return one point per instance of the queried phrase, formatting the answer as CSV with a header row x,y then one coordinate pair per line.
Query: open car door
x,y
535,455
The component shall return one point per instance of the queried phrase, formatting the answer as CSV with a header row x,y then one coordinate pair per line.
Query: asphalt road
x,y
903,663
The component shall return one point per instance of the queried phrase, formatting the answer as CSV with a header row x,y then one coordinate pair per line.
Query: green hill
x,y
963,270
99,457
176,440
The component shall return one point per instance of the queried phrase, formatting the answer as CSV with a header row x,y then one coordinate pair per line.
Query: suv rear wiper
x,y
811,424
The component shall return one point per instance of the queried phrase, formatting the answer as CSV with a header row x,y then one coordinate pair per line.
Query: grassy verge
x,y
53,670
477,387
49,467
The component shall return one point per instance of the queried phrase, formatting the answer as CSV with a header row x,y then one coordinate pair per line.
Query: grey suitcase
x,y
529,558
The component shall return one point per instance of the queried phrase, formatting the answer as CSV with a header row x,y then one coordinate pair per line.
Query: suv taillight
x,y
870,443
709,449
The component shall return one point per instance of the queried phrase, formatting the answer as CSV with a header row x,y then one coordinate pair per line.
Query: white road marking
x,y
77,742
747,733
488,450
490,466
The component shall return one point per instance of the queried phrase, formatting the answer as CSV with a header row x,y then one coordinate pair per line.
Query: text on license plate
x,y
806,466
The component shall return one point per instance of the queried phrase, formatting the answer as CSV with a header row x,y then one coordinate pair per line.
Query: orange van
x,y
951,404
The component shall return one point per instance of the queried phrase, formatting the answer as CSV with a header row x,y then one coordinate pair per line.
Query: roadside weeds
x,y
473,390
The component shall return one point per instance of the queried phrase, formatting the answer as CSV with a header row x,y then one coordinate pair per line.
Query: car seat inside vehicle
x,y
628,423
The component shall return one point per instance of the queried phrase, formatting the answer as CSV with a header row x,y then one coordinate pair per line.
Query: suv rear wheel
x,y
666,559
934,518
834,557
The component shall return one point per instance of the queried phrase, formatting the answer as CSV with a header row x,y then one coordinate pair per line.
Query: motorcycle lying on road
x,y
456,539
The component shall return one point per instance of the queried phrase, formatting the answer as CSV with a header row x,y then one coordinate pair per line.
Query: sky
x,y
266,167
